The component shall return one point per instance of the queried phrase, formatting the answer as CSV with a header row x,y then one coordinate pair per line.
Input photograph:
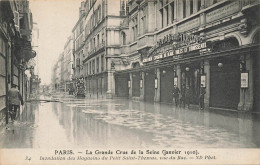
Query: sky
x,y
55,19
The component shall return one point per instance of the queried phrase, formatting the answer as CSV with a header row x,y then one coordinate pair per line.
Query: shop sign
x,y
244,80
155,83
203,80
175,81
181,39
222,12
189,25
176,52
129,84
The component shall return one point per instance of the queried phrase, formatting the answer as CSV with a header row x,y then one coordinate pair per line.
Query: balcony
x,y
145,41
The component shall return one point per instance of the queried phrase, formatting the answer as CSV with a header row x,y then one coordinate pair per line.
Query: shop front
x,y
136,77
191,76
166,83
121,85
225,82
149,85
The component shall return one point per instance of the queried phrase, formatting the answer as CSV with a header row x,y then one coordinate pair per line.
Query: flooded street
x,y
111,123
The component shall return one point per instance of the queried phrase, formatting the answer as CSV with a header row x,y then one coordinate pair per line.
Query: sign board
x,y
175,81
189,25
155,83
222,12
244,80
129,84
203,80
141,83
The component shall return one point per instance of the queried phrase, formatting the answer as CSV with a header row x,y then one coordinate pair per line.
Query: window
x,y
98,40
87,68
161,13
123,38
102,63
199,5
97,64
93,66
167,15
172,8
191,7
184,8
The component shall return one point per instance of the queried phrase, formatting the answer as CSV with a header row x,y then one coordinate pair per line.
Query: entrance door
x,y
192,80
136,84
224,83
257,82
149,86
166,82
122,85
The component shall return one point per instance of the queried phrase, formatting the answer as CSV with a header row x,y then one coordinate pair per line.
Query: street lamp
x,y
220,64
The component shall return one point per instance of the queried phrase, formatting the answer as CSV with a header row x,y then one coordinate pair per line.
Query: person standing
x,y
201,97
14,98
176,92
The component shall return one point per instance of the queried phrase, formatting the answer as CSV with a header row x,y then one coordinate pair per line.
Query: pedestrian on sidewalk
x,y
201,97
176,92
14,98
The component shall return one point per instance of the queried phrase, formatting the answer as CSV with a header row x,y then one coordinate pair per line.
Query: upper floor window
x,y
123,38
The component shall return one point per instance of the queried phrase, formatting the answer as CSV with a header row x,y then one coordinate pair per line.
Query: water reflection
x,y
122,123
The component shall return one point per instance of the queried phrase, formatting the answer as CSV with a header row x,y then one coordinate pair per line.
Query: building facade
x,y
15,50
188,43
97,46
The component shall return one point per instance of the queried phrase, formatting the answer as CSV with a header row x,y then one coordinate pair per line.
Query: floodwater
x,y
111,123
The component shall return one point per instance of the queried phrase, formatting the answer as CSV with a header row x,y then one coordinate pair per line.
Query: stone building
x,y
97,45
15,49
188,43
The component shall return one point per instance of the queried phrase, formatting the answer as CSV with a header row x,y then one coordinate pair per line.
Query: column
x,y
131,85
207,72
158,90
249,93
142,89
179,75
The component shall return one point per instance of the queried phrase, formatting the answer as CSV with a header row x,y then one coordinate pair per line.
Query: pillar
x,y
207,72
158,90
131,85
142,89
179,75
247,94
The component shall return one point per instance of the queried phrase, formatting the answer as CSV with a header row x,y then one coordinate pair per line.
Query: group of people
x,y
183,97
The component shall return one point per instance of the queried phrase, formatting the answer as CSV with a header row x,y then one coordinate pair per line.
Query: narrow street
x,y
89,123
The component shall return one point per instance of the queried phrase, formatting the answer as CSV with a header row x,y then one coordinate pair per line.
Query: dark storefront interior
x,y
149,85
225,82
167,75
136,84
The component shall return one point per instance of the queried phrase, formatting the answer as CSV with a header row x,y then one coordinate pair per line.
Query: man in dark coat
x,y
14,98
202,93
176,92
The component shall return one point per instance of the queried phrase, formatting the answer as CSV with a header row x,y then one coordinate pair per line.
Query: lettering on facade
x,y
177,45
189,25
222,12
